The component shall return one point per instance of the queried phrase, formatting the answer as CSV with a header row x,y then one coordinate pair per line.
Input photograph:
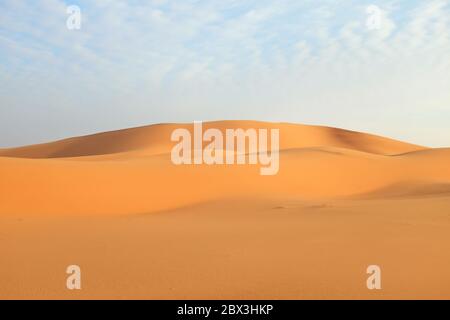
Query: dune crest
x,y
155,139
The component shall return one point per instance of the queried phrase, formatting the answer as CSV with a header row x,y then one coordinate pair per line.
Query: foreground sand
x,y
140,227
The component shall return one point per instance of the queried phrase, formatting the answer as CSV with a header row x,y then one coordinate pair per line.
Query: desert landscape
x,y
141,227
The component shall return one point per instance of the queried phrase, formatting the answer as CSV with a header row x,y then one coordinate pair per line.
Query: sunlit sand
x,y
141,227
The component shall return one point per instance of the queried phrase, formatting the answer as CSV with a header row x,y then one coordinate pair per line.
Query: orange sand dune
x,y
116,205
156,139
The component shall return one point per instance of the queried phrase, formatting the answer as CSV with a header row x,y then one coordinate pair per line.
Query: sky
x,y
375,66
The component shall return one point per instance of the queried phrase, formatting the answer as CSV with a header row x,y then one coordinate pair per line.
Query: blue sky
x,y
140,62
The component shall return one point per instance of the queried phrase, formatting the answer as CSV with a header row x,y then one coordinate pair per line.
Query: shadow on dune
x,y
408,190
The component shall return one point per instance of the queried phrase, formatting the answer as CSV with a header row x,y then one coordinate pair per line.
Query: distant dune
x,y
155,139
130,171
115,203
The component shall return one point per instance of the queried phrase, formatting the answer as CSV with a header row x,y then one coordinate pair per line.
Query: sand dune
x,y
156,139
123,194
315,162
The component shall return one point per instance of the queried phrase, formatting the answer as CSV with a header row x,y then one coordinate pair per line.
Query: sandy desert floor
x,y
141,227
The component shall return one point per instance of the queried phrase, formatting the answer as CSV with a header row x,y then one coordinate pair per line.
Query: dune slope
x,y
314,162
156,139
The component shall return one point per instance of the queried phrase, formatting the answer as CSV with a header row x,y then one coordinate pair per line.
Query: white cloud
x,y
165,60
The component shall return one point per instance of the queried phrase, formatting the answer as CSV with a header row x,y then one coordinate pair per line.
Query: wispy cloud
x,y
138,62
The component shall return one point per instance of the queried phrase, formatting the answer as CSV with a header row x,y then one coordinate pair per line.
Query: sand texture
x,y
141,227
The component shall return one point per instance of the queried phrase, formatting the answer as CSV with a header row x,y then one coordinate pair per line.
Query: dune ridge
x,y
155,139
